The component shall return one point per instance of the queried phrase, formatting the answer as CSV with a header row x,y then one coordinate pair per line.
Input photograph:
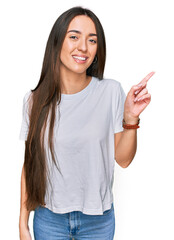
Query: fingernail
x,y
136,92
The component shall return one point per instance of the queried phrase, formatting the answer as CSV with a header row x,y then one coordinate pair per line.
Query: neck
x,y
72,83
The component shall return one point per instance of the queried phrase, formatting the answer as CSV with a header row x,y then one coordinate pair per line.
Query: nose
x,y
82,45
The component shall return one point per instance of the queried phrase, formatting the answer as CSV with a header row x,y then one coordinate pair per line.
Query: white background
x,y
140,39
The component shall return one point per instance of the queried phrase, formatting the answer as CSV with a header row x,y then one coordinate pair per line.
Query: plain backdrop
x,y
140,39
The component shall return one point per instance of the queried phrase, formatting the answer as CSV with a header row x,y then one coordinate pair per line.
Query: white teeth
x,y
79,58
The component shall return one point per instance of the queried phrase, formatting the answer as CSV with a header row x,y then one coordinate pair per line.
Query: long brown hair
x,y
44,100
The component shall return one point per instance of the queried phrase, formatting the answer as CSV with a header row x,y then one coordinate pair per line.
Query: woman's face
x,y
80,45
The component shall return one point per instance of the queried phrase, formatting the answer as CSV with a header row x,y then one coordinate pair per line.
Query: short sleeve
x,y
25,117
119,109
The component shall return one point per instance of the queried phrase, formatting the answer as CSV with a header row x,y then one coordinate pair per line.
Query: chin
x,y
79,70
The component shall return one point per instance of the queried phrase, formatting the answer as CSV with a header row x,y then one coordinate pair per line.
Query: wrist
x,y
131,123
130,119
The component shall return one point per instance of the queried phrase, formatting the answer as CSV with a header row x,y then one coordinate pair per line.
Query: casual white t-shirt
x,y
84,147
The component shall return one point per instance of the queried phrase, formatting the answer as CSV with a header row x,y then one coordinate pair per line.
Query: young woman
x,y
76,124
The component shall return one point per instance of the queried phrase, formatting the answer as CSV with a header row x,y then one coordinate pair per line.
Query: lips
x,y
80,58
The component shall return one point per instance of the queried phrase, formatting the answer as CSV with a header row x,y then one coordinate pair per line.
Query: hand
x,y
137,100
25,234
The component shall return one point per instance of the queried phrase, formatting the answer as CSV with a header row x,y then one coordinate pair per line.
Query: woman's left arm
x,y
126,142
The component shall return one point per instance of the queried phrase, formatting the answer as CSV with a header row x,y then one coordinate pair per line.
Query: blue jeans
x,y
76,225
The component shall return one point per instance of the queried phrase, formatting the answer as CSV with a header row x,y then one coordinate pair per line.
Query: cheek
x,y
94,51
68,46
67,49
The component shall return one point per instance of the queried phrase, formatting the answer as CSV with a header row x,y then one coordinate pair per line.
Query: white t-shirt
x,y
84,147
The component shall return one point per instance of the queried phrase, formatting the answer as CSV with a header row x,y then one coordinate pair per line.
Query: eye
x,y
93,41
73,37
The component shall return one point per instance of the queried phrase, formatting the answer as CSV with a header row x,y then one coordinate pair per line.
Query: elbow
x,y
123,160
124,164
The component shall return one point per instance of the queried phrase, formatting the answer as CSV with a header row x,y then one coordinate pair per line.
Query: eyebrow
x,y
76,31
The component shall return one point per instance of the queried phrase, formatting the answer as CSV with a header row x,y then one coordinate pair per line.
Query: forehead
x,y
83,24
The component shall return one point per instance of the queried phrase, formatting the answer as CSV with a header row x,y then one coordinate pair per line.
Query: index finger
x,y
147,78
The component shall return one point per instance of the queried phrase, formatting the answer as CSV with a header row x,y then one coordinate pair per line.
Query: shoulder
x,y
110,84
27,96
27,101
114,89
108,81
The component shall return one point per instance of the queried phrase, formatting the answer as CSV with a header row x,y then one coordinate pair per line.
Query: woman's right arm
x,y
24,213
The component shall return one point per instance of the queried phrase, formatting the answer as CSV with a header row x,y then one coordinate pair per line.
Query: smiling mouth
x,y
80,59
